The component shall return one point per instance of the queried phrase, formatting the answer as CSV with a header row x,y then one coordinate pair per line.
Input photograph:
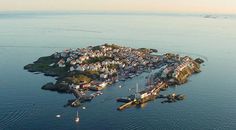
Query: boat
x,y
103,84
126,99
122,79
131,75
96,88
99,93
77,117
93,94
58,116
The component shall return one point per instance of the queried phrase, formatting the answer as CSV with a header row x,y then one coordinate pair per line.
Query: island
x,y
82,71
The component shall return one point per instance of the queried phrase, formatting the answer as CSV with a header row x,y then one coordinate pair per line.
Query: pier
x,y
80,97
76,93
126,105
145,95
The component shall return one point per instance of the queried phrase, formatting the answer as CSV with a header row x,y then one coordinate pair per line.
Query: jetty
x,y
80,98
126,105
146,95
77,94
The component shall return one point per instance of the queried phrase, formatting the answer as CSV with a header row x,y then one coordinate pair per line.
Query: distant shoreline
x,y
30,12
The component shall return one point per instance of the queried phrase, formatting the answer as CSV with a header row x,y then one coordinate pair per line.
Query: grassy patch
x,y
77,79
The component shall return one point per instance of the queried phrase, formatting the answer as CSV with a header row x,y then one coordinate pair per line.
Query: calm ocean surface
x,y
211,95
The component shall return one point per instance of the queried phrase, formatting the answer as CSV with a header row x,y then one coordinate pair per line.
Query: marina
x,y
170,75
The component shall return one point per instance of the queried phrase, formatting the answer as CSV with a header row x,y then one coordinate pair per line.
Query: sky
x,y
208,6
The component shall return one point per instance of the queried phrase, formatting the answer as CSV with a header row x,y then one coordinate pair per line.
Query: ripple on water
x,y
11,115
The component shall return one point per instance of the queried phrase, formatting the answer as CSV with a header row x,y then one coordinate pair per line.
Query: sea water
x,y
211,94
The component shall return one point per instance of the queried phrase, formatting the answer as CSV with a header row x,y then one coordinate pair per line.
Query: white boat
x,y
99,93
77,117
103,84
58,116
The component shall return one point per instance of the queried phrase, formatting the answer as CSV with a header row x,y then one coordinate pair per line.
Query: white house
x,y
73,62
104,76
72,68
80,68
68,59
61,63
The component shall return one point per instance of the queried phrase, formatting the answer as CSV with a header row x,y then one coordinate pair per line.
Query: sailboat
x,y
77,117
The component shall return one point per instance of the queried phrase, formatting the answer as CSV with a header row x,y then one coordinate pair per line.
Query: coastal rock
x,y
49,86
154,50
59,87
62,87
30,68
173,98
199,60
50,73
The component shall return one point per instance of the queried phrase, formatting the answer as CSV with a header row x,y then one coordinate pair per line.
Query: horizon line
x,y
114,12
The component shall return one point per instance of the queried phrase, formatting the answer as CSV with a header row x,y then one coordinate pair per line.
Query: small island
x,y
84,70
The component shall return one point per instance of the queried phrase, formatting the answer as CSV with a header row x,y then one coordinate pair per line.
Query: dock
x,y
126,105
145,95
76,93
81,96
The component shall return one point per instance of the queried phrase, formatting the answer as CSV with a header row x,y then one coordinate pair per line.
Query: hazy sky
x,y
215,6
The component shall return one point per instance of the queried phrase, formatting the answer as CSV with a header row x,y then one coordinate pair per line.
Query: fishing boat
x,y
77,117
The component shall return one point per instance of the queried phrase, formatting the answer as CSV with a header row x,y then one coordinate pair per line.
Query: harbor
x,y
170,75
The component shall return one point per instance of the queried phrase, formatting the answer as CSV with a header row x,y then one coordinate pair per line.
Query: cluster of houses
x,y
109,62
180,70
126,63
124,58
